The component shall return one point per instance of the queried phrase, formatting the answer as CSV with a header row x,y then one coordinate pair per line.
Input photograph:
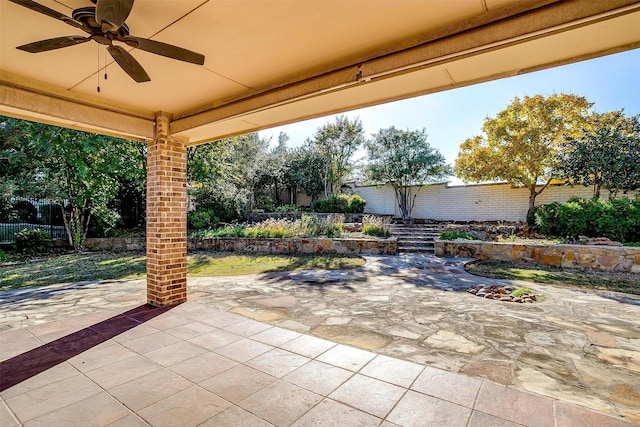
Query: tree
x,y
223,175
337,143
79,169
606,155
406,161
274,175
306,171
520,145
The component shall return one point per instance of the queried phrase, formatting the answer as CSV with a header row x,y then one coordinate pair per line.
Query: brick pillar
x,y
166,217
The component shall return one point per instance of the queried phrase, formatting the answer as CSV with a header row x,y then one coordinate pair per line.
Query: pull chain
x,y
98,73
105,63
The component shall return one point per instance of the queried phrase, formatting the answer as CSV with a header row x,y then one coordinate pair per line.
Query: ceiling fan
x,y
105,24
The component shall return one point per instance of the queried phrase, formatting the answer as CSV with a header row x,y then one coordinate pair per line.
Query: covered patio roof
x,y
269,63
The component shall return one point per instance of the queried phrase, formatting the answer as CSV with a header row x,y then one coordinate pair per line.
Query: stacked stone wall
x,y
282,246
598,258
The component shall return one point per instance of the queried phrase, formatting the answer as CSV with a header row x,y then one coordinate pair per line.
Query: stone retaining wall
x,y
117,243
283,246
600,258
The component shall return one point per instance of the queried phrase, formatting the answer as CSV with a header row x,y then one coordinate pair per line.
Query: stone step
x,y
427,232
429,243
427,235
415,249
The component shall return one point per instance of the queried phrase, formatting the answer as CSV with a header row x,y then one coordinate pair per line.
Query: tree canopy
x,y
405,160
337,143
521,143
607,155
84,170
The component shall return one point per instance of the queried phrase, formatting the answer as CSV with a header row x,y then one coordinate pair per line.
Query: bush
x,y
265,203
33,241
617,219
3,256
288,209
357,204
531,216
199,219
340,203
225,203
453,235
376,226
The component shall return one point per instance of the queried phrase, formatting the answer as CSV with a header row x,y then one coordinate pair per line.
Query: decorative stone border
x,y
614,259
283,246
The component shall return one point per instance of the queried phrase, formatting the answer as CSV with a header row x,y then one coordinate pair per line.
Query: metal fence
x,y
19,213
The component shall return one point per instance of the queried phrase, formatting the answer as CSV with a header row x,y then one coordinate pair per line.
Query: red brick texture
x,y
166,222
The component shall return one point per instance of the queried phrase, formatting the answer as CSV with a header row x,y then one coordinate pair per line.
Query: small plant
x,y
331,226
33,241
3,256
376,226
521,291
453,235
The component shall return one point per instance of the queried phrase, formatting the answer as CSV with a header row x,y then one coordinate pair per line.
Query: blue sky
x,y
611,82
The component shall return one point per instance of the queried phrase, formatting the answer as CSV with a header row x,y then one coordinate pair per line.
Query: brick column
x,y
166,217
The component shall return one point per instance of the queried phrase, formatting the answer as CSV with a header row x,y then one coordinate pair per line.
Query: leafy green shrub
x,y
376,226
340,203
357,204
226,204
617,219
3,256
200,219
265,203
453,235
531,216
33,241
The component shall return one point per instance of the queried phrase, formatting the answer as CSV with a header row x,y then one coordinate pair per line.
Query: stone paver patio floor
x,y
396,342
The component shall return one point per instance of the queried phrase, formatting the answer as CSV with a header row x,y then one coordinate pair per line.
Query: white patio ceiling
x,y
271,62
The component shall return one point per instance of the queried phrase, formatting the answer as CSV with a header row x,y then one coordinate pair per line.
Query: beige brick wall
x,y
490,202
166,222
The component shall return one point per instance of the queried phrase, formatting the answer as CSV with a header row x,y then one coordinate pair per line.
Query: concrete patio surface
x,y
396,342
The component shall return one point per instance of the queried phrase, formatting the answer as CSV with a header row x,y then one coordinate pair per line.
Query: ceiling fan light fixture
x,y
104,24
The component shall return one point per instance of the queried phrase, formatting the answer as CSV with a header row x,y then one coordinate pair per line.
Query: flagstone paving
x,y
408,337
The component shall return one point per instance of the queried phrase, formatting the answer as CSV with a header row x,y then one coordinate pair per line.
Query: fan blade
x,y
164,49
129,64
37,7
51,44
111,14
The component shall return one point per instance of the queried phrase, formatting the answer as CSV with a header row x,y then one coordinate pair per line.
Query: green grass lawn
x,y
619,282
77,267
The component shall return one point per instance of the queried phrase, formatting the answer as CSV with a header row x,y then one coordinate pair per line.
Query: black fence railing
x,y
18,213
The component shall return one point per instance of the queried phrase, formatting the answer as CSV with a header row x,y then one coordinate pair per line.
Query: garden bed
x,y
316,245
588,257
